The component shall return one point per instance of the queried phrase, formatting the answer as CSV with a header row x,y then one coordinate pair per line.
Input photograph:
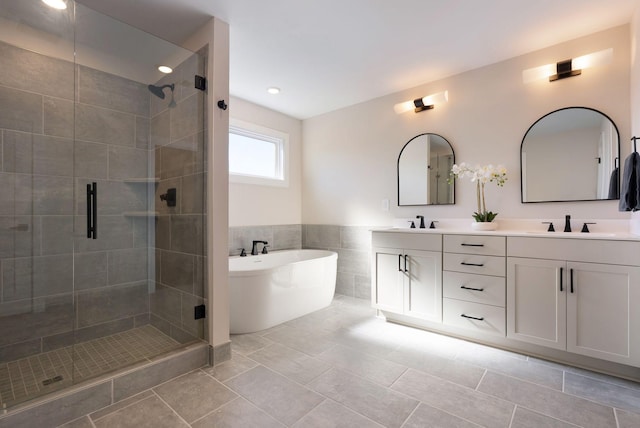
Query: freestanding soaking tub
x,y
269,289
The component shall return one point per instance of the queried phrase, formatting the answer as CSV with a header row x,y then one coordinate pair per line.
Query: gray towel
x,y
630,192
613,185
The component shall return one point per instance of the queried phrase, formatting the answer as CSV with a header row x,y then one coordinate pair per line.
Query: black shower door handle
x,y
92,210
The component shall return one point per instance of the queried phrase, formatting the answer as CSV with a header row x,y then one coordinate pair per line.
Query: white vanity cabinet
x,y
474,283
577,295
407,274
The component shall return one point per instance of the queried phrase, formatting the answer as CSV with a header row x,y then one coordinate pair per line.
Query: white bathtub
x,y
269,289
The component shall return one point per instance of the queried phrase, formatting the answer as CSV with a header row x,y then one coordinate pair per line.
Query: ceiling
x,y
329,54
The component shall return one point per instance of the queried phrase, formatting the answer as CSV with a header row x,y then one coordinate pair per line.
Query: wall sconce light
x,y
567,68
421,104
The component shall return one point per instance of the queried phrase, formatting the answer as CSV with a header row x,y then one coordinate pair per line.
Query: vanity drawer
x,y
468,263
474,316
475,244
408,240
490,290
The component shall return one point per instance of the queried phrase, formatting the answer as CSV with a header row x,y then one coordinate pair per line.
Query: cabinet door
x,y
387,279
536,301
423,285
602,315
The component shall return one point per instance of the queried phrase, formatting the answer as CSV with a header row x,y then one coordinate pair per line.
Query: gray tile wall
x,y
46,158
352,243
176,136
279,237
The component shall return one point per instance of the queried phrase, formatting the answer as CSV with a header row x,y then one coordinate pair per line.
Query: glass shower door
x,y
102,182
36,189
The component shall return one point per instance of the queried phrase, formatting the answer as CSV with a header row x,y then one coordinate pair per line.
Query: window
x,y
257,155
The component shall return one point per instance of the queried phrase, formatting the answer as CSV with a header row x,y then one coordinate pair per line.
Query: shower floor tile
x,y
30,377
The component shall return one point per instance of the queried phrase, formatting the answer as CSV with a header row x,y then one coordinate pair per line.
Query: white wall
x,y
252,205
349,157
635,73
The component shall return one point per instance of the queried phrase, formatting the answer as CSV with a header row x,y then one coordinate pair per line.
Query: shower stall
x,y
102,190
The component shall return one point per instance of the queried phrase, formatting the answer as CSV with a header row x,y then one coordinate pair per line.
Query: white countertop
x,y
616,230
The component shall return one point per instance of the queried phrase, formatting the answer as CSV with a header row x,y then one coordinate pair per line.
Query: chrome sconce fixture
x,y
421,104
567,68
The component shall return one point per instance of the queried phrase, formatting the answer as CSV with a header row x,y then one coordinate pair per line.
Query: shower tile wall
x,y
352,243
177,138
39,224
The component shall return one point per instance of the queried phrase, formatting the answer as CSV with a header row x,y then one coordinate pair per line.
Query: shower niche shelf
x,y
140,214
150,180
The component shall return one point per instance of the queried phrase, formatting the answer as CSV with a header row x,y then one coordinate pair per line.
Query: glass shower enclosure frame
x,y
102,183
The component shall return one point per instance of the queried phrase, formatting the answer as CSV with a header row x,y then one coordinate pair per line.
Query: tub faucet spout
x,y
254,247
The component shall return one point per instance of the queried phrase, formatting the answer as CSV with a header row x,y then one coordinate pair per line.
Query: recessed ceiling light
x,y
56,4
165,69
273,90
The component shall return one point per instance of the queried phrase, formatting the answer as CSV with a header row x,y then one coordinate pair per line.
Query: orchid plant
x,y
481,175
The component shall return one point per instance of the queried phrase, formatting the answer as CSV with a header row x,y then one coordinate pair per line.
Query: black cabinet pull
x,y
399,261
92,211
472,318
405,263
472,245
561,275
472,264
571,283
471,288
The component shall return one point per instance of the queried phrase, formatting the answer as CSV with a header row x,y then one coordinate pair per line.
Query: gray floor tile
x,y
524,418
458,400
364,341
627,419
236,365
121,404
237,413
548,401
301,340
375,369
244,344
427,416
280,397
148,413
602,392
380,404
194,395
83,422
293,364
331,414
455,371
514,365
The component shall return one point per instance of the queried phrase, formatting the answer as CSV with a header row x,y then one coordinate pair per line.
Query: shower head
x,y
158,91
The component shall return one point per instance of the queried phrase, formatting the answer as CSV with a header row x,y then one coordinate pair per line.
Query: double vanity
x,y
568,297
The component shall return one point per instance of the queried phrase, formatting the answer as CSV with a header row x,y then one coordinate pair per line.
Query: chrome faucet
x,y
254,247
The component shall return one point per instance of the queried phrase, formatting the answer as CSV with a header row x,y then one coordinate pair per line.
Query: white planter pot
x,y
484,225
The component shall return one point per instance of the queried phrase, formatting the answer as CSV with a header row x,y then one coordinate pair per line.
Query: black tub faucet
x,y
567,223
254,247
421,217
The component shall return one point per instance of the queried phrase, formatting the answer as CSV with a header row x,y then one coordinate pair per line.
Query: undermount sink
x,y
571,234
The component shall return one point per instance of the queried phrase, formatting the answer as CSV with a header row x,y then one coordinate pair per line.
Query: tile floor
x,y
342,367
31,377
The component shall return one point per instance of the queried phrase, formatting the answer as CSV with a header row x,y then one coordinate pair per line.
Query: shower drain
x,y
52,380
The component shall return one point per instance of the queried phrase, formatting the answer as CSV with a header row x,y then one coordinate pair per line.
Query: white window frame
x,y
279,138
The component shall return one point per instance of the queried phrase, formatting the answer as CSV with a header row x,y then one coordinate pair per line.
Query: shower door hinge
x,y
201,83
199,312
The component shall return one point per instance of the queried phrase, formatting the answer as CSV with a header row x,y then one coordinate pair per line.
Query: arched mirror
x,y
571,154
424,164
